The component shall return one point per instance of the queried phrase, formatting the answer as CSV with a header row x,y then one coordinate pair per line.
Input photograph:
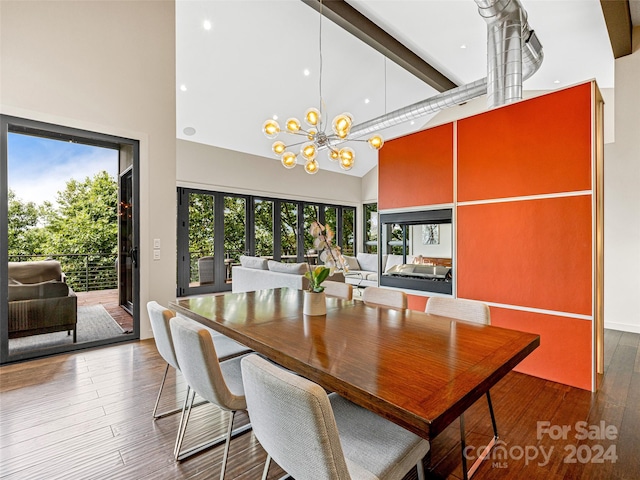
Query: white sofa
x,y
363,269
256,273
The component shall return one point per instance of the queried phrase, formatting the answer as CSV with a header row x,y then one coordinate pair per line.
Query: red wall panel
x,y
564,354
417,169
538,146
534,253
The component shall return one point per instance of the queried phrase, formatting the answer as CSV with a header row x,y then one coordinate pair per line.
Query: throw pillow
x,y
368,262
256,263
352,262
32,291
291,268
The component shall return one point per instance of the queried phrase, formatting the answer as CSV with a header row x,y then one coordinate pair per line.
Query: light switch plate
x,y
156,254
156,243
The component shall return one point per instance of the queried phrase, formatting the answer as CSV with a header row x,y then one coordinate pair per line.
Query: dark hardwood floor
x,y
88,416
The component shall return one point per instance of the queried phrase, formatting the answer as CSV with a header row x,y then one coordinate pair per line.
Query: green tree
x,y
86,221
263,213
26,236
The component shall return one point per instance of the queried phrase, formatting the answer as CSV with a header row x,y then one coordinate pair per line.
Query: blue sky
x,y
39,167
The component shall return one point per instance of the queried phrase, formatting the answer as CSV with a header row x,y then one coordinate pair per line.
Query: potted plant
x,y
314,300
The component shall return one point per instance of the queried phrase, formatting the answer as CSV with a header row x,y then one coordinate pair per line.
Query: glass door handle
x,y
134,257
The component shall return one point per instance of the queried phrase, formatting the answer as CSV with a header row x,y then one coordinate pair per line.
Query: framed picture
x,y
431,234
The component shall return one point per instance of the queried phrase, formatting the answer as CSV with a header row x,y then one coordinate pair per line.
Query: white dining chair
x,y
338,289
310,434
220,383
160,319
468,311
462,309
384,297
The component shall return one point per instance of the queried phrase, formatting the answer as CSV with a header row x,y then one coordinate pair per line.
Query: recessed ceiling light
x,y
556,81
366,100
306,72
207,25
183,87
189,131
275,117
412,122
463,46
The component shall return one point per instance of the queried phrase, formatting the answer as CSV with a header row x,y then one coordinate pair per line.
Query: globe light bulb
x,y
347,158
342,134
312,116
293,125
376,142
333,154
271,128
289,159
308,151
311,167
342,123
278,148
312,134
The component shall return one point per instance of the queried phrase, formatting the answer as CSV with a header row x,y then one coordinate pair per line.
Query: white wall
x,y
440,250
109,67
622,200
370,186
217,169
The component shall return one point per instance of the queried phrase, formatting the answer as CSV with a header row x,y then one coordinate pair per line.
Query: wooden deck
x,y
109,300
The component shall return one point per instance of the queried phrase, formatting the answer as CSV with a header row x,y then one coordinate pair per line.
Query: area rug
x,y
94,323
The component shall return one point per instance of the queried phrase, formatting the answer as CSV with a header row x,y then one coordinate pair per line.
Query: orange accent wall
x,y
538,146
564,354
417,169
534,253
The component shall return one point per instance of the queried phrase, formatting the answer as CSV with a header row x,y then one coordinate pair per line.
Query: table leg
x,y
468,474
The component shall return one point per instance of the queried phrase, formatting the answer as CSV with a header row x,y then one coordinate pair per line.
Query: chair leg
x,y
420,470
189,452
155,408
463,446
227,443
175,410
184,419
266,467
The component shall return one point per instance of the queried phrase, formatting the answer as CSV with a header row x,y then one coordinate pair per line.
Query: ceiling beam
x,y
617,16
347,17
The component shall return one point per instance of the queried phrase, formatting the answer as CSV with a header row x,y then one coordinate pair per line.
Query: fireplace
x,y
418,246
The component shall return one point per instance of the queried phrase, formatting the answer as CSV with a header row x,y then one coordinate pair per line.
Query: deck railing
x,y
84,272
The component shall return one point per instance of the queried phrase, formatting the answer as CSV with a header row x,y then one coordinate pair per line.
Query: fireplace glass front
x,y
418,249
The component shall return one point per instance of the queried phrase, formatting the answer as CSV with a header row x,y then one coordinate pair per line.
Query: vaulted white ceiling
x,y
250,64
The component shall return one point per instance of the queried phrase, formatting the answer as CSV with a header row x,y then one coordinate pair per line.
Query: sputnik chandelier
x,y
316,137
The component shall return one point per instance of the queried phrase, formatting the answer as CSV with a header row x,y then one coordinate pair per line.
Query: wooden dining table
x,y
418,370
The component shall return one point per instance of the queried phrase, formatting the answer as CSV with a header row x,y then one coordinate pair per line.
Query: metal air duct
x,y
513,55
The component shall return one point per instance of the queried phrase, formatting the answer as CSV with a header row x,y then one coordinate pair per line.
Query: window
x,y
215,229
370,227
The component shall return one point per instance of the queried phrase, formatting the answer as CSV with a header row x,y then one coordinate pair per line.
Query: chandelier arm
x,y
294,144
303,134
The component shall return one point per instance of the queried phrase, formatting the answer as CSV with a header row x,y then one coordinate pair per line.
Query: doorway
x,y
68,205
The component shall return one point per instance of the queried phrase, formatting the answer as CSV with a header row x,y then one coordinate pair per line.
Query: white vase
x,y
314,303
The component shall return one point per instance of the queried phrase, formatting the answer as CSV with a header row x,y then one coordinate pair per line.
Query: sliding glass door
x,y
212,235
215,229
69,230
